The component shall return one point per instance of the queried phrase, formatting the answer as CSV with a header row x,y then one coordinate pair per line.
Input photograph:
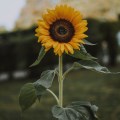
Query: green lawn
x,y
102,90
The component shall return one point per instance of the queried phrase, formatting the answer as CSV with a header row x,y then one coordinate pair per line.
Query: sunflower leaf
x,y
29,93
91,65
27,96
75,111
46,78
40,57
44,82
40,90
87,42
82,54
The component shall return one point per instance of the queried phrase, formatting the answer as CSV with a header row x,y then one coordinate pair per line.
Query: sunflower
x,y
62,29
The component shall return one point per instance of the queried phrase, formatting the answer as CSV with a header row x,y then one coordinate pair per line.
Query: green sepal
x,y
75,111
40,57
82,54
88,43
90,65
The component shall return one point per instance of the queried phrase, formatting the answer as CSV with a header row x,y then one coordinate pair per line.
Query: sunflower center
x,y
62,31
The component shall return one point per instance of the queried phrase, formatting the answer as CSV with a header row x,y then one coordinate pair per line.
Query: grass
x,y
102,90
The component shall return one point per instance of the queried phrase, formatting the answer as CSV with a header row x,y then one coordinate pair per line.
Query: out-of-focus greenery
x,y
103,31
100,89
16,49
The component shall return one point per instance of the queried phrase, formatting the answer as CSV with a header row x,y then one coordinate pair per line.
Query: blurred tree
x,y
32,12
3,29
100,9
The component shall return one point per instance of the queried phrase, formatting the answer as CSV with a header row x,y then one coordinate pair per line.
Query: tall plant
x,y
63,30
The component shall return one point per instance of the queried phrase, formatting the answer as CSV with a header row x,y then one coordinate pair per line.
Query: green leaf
x,y
82,54
27,96
91,108
90,65
31,91
40,90
46,78
75,111
40,57
88,43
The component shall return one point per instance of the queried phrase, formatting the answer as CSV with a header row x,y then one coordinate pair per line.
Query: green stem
x,y
53,94
64,75
60,82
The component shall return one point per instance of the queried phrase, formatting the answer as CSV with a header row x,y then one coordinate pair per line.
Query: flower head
x,y
62,29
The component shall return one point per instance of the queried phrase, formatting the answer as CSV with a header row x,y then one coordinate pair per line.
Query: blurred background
x,y
19,49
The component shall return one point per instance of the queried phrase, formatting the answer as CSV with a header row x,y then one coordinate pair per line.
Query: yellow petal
x,y
70,14
57,48
46,49
69,48
59,52
80,36
52,14
48,18
81,30
44,40
66,50
78,40
48,44
83,23
59,11
66,13
39,40
75,40
43,24
37,35
84,30
62,48
55,44
82,42
75,45
43,31
76,18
